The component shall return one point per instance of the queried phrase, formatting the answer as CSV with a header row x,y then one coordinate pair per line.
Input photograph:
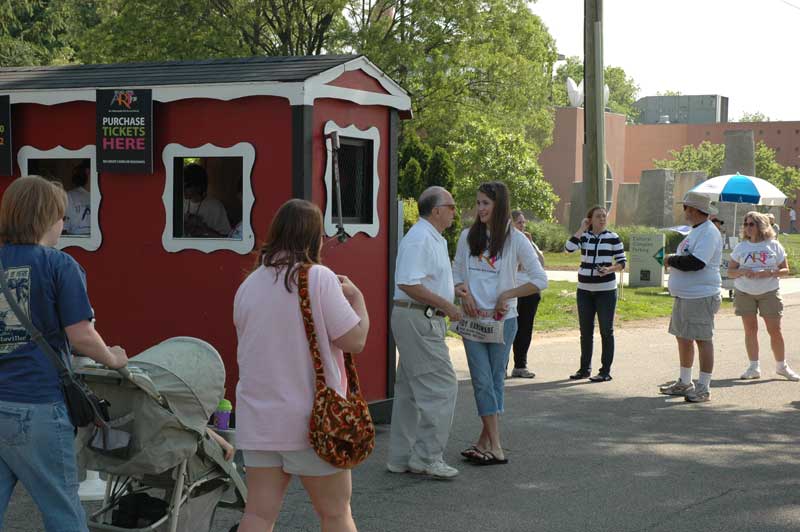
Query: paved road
x,y
612,457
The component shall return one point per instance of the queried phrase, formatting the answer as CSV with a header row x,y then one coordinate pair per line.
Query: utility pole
x,y
594,139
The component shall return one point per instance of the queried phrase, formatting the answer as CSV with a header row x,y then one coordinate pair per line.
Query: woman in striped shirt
x,y
602,255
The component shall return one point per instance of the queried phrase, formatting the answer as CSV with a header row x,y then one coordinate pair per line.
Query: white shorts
x,y
304,463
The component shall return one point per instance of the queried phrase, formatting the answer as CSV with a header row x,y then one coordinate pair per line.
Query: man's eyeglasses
x,y
450,206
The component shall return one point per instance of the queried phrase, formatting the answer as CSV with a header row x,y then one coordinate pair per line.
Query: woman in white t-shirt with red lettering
x,y
756,264
275,392
489,258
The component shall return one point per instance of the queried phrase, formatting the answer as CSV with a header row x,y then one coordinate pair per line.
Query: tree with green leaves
x,y
39,32
158,30
441,170
786,178
475,69
414,158
708,158
476,58
409,184
753,117
490,153
622,89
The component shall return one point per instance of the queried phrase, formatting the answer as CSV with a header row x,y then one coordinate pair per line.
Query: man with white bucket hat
x,y
694,282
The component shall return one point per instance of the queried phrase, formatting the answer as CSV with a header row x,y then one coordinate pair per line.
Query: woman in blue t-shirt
x,y
36,435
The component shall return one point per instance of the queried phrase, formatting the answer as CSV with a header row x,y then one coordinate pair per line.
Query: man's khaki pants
x,y
425,389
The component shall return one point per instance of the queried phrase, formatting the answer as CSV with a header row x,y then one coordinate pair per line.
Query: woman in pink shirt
x,y
276,375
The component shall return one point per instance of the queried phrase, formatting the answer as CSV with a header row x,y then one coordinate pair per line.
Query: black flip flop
x,y
472,453
488,458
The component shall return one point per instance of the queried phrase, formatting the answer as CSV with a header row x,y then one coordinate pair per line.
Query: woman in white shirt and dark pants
x,y
488,256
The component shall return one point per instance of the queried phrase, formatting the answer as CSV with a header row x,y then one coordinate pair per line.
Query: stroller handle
x,y
124,373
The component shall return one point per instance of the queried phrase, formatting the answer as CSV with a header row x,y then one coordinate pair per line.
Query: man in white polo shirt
x,y
694,282
426,387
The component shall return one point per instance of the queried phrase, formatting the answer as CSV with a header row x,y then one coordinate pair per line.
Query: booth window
x,y
73,174
355,176
75,170
208,198
359,180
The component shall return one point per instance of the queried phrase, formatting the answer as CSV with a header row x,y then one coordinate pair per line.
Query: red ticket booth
x,y
261,129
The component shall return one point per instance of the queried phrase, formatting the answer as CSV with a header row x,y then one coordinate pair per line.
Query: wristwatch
x,y
429,312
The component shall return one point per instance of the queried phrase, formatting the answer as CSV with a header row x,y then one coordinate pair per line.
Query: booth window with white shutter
x,y
359,180
208,198
76,170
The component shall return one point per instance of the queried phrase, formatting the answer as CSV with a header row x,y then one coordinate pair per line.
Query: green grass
x,y
558,309
554,260
569,261
791,243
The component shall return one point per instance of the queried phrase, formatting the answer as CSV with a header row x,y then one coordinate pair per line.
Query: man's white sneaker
x,y
437,469
676,388
789,373
750,374
392,468
700,394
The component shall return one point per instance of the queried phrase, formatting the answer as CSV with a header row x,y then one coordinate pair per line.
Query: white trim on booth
x,y
247,152
365,65
92,241
298,93
371,134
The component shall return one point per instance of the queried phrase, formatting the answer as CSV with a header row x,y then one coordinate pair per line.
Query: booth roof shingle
x,y
236,70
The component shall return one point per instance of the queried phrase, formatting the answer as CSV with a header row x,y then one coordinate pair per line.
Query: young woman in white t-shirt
x,y
489,256
756,264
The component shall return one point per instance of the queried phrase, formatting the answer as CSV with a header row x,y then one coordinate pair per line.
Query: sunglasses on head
x,y
488,189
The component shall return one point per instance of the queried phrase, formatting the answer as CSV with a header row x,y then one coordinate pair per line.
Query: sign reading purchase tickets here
x,y
646,258
6,166
124,131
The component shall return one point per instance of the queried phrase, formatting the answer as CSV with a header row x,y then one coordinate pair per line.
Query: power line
x,y
791,4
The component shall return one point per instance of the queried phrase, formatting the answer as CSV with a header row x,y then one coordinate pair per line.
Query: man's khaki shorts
x,y
693,319
769,304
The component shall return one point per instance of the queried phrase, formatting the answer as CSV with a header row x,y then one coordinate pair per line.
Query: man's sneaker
x,y
789,373
676,388
392,468
751,373
700,394
437,469
522,373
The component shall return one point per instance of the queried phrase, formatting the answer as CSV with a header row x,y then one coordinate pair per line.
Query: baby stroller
x,y
165,474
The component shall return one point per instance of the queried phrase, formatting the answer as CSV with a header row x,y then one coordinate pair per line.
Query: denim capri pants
x,y
487,369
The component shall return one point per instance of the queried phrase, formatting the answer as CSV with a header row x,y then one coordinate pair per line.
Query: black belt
x,y
429,311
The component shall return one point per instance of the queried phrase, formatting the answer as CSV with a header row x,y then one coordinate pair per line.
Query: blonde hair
x,y
765,230
30,207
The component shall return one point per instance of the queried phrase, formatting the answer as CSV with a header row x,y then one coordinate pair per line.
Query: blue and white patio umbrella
x,y
741,189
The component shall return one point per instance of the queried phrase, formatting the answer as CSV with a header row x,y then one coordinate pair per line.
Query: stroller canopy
x,y
189,374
